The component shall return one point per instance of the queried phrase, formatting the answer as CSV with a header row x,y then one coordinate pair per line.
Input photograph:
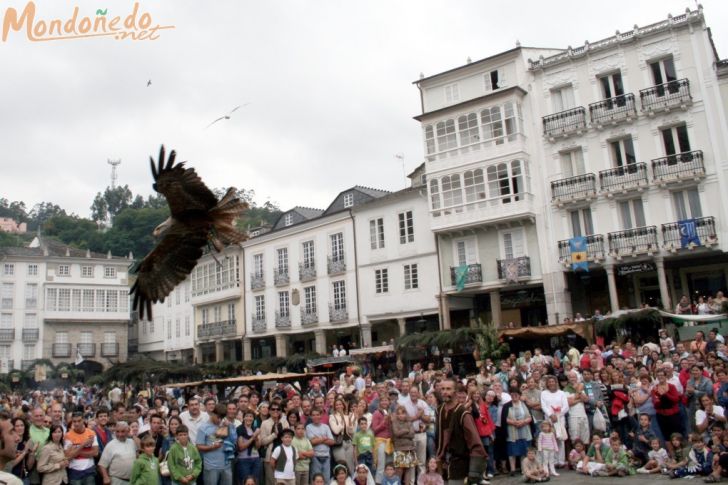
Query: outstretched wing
x,y
182,187
219,119
167,265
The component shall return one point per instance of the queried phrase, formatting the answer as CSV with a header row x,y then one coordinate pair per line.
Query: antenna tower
x,y
114,164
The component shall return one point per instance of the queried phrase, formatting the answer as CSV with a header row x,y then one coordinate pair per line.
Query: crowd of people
x,y
612,411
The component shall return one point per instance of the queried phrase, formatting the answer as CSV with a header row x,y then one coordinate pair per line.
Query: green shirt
x,y
39,436
184,461
364,441
302,444
145,470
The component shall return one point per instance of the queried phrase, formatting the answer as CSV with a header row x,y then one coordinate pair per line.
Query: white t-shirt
x,y
700,414
9,479
193,424
412,409
288,472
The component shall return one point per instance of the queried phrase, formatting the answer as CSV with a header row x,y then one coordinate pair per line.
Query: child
x,y
548,447
184,461
390,475
656,458
577,454
145,470
594,460
700,459
678,455
283,459
642,437
305,452
430,477
363,443
531,469
616,462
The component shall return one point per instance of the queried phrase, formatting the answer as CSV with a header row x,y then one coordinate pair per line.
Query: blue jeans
x,y
222,476
321,464
431,448
87,480
365,458
488,445
248,467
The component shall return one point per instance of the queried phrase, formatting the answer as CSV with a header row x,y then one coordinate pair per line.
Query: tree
x,y
99,209
15,210
42,212
117,199
74,231
132,231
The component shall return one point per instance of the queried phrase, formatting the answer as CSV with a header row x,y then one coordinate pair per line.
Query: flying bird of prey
x,y
227,116
197,219
149,83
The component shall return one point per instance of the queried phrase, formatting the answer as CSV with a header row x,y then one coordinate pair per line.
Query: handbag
x,y
164,466
599,423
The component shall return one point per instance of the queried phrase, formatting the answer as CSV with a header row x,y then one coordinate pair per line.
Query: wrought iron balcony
x,y
31,303
681,166
309,317
565,123
594,249
621,179
306,272
613,110
336,266
61,350
26,364
704,234
338,314
574,188
259,324
109,349
474,274
514,268
7,334
31,334
216,329
257,281
87,349
280,276
283,321
663,97
640,240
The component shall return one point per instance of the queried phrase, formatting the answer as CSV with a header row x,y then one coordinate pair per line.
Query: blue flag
x,y
688,232
461,276
578,250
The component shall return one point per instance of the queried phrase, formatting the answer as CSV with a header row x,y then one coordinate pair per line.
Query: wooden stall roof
x,y
583,329
241,380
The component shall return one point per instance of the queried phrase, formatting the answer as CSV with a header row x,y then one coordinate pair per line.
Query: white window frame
x,y
284,304
474,185
430,140
406,227
381,281
7,320
572,162
376,233
673,134
686,207
337,246
498,75
287,220
258,265
64,270
30,320
508,181
562,98
663,70
411,276
610,90
61,338
468,129
636,211
32,270
584,218
446,135
8,269
177,328
188,328
513,243
282,256
452,93
87,271
260,307
348,200
339,292
465,251
309,299
309,253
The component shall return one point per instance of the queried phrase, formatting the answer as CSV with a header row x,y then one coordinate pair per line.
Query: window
x,y
435,200
687,204
51,296
612,87
64,299
513,244
187,326
29,352
258,265
217,313
151,326
31,320
675,140
61,338
562,98
376,233
188,289
429,139
348,199
260,307
64,270
205,315
31,295
623,152
169,328
474,184
177,295
6,320
75,300
5,352
464,252
468,129
32,270
446,138
337,246
112,301
411,281
308,254
177,328
663,71
8,269
87,301
231,312
169,301
581,222
406,228
632,213
283,304
109,272
288,219
572,163
86,338
499,122
452,94
495,79
506,179
339,295
87,271
381,280
309,299
452,194
110,337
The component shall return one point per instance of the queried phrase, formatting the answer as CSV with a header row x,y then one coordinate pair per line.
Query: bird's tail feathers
x,y
224,214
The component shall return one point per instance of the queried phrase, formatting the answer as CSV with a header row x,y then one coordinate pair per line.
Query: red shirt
x,y
666,404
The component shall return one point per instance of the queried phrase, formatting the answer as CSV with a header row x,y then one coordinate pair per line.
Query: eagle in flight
x,y
197,219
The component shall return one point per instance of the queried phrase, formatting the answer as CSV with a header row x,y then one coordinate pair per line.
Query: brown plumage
x,y
196,219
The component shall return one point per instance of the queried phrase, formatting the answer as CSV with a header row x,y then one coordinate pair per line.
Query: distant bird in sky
x,y
149,83
227,116
197,219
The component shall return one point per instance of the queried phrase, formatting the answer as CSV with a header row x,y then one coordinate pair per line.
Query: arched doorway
x,y
90,368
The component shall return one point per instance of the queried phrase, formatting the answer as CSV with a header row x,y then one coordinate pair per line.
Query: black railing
x,y
86,350
704,234
257,281
338,313
216,329
594,249
666,96
283,320
474,274
31,334
309,317
565,122
678,166
109,349
7,334
61,350
630,176
280,276
577,187
336,265
613,110
639,240
306,272
259,323
513,268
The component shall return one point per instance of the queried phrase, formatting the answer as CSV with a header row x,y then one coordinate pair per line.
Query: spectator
x,y
118,457
81,447
183,460
52,461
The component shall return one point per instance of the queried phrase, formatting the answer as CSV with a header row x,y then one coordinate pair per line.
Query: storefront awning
x,y
582,329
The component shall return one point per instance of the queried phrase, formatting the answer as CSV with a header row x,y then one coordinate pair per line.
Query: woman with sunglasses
x,y
270,430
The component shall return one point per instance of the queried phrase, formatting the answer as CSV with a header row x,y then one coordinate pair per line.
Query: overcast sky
x,y
329,85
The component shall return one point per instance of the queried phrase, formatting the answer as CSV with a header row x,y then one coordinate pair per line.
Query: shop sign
x,y
626,269
522,298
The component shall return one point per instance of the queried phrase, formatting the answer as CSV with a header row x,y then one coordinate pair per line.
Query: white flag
x,y
79,357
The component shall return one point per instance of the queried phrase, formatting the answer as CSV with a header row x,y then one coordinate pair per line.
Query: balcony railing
x,y
31,334
309,317
613,110
216,329
280,276
474,274
624,178
86,350
513,269
283,321
259,324
257,281
703,234
110,349
681,166
565,123
7,334
340,314
594,249
31,303
61,350
639,240
336,266
26,364
306,272
673,94
574,188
